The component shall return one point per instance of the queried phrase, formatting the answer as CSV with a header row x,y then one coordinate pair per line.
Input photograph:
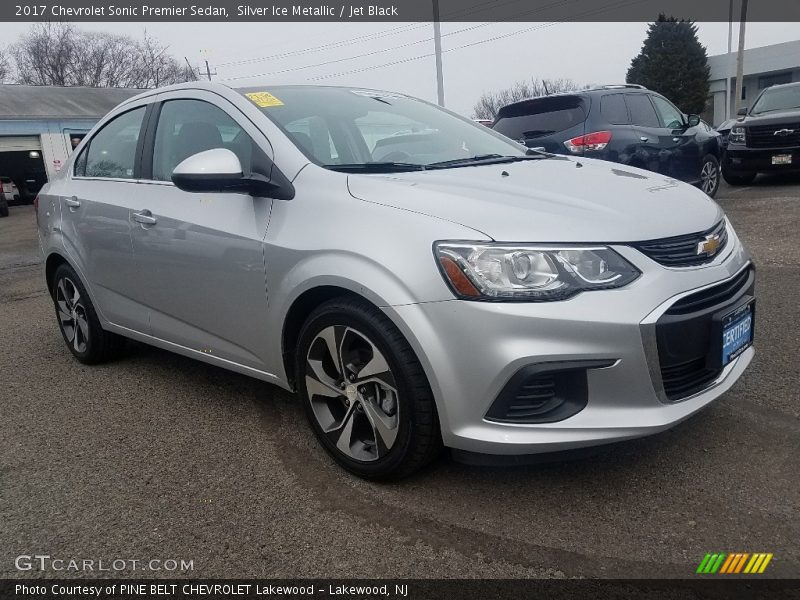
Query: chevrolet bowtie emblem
x,y
784,132
709,246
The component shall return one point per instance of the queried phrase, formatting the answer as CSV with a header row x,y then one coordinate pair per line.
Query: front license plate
x,y
737,332
782,159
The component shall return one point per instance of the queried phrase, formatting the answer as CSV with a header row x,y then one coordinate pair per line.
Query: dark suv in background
x,y
767,139
627,124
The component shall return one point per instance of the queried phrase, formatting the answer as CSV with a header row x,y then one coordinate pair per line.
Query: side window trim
x,y
148,141
84,153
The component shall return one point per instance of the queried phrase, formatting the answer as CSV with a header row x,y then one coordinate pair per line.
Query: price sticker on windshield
x,y
264,99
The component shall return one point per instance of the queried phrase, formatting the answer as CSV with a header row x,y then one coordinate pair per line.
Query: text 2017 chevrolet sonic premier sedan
x,y
418,279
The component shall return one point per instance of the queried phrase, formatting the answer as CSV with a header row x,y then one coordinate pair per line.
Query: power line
x,y
476,43
370,36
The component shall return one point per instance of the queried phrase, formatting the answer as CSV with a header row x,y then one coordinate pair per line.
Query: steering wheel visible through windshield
x,y
342,127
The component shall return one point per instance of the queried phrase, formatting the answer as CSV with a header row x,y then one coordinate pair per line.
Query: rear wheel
x,y
738,178
364,391
78,321
709,175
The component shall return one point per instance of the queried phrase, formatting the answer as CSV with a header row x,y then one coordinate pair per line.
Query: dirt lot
x,y
159,457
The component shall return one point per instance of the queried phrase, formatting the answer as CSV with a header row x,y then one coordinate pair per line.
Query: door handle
x,y
144,217
676,139
73,203
644,138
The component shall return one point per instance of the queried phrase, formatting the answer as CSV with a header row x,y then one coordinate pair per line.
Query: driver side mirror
x,y
219,170
742,111
693,121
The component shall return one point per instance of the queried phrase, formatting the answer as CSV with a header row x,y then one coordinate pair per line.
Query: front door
x,y
199,256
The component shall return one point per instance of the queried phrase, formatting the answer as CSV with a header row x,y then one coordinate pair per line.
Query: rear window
x,y
540,117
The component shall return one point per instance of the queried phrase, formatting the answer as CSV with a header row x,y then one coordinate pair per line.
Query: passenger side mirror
x,y
742,112
219,170
693,121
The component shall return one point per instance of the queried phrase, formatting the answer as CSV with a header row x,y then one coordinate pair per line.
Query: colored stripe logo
x,y
734,563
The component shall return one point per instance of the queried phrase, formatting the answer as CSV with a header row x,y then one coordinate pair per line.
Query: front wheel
x,y
709,175
78,321
364,391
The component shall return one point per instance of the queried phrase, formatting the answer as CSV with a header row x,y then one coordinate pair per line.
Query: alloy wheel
x,y
72,314
353,393
709,177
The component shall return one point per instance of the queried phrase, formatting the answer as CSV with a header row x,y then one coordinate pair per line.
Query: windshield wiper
x,y
483,159
376,167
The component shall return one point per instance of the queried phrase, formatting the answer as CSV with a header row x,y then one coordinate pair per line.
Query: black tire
x,y
87,340
709,182
3,208
417,438
738,178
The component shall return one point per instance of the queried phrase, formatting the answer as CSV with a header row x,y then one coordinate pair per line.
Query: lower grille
x,y
685,379
685,335
682,250
763,136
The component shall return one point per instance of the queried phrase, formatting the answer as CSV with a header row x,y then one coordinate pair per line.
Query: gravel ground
x,y
156,456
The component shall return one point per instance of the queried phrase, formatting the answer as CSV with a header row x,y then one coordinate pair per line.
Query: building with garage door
x,y
39,126
763,67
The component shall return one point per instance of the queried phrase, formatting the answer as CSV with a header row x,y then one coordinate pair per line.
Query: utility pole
x,y
727,113
437,46
740,57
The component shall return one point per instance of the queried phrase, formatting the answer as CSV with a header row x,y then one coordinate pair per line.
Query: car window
x,y
186,127
613,109
642,111
112,150
313,135
540,117
671,117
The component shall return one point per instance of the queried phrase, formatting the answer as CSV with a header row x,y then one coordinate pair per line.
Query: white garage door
x,y
19,142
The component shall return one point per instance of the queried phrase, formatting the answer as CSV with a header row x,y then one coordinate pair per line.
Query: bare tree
x,y
4,68
60,54
491,102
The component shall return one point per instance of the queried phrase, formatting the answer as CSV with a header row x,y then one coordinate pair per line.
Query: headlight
x,y
737,136
529,272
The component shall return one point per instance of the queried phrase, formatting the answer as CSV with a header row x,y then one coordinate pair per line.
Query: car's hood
x,y
553,200
772,118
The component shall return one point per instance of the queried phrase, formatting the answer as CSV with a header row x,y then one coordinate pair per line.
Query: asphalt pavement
x,y
156,456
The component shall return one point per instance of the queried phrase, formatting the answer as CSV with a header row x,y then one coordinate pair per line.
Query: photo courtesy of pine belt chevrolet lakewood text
x,y
420,280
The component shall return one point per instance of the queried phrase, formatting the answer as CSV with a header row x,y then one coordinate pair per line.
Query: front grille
x,y
686,336
681,250
712,296
763,136
687,378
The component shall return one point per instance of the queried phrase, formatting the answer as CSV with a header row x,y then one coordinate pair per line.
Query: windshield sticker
x,y
264,99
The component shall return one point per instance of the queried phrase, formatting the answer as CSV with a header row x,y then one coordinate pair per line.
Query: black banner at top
x,y
277,11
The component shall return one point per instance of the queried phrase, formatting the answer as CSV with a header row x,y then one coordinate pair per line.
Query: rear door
x,y
655,149
97,232
544,122
200,259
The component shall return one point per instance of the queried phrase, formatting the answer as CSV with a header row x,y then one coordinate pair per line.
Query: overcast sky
x,y
588,53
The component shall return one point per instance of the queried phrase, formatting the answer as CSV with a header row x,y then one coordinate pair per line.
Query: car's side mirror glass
x,y
693,121
216,170
742,111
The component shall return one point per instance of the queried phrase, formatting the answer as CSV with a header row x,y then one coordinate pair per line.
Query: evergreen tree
x,y
673,63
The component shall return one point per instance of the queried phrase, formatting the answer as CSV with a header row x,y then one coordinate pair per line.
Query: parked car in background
x,y
724,130
458,290
767,138
9,189
626,124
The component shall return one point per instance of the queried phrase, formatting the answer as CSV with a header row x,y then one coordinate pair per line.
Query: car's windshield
x,y
340,127
778,98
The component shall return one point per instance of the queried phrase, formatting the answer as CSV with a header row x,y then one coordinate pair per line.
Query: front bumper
x,y
470,350
740,159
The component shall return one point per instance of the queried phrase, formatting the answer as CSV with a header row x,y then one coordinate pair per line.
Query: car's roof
x,y
591,91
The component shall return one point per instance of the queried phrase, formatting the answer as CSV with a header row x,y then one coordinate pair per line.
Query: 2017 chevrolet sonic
x,y
418,279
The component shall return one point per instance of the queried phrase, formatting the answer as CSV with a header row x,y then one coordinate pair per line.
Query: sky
x,y
269,53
